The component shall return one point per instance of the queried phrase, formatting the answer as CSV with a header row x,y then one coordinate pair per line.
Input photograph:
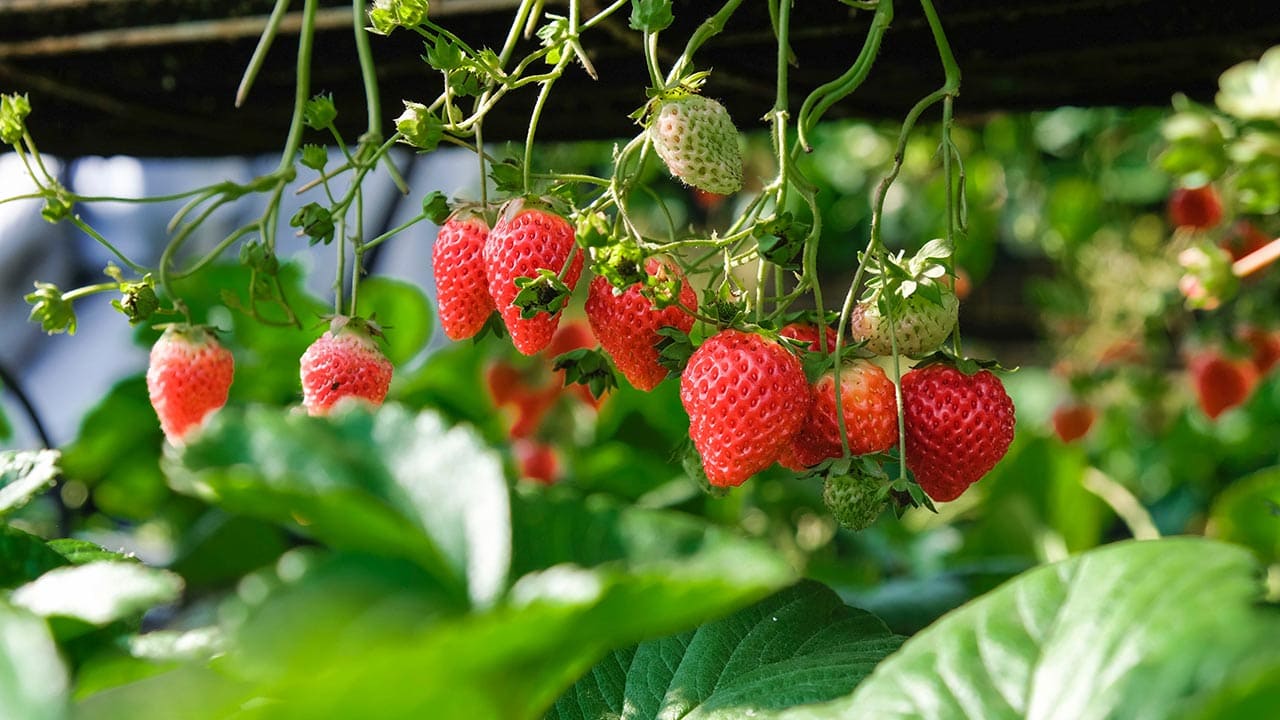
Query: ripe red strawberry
x,y
958,427
344,362
746,397
524,241
1197,208
536,461
531,406
807,333
1221,383
1073,419
921,325
462,288
696,139
189,378
503,381
870,416
627,325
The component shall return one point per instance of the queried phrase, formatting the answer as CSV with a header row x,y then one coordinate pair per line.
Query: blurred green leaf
x,y
402,311
384,481
24,557
23,475
1248,513
218,548
799,646
33,681
1074,209
1130,630
98,592
83,552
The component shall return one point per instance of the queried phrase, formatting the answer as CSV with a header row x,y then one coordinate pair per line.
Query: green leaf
x,y
1126,631
1248,513
33,681
98,592
404,313
650,16
24,557
443,54
386,482
83,552
799,646
23,475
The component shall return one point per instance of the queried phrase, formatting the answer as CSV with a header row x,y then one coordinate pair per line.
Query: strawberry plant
x,y
495,526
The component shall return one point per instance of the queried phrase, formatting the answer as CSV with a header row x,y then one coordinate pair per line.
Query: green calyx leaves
x,y
138,300
314,221
587,367
419,126
781,241
651,16
545,293
319,112
387,15
13,114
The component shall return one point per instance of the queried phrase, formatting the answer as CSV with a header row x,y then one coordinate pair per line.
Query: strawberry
x,y
746,397
696,138
870,416
958,427
1221,383
807,334
503,382
1265,345
921,325
1198,208
1244,239
627,325
525,240
462,289
1073,419
856,499
188,379
536,461
344,362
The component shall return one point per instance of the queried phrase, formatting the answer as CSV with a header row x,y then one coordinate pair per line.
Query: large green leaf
x,y
324,634
1248,512
801,645
98,592
1132,630
23,474
33,682
383,481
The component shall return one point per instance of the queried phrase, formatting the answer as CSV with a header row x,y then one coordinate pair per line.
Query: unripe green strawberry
x,y
462,288
627,325
870,416
524,241
189,378
344,362
958,427
856,499
696,139
921,325
746,397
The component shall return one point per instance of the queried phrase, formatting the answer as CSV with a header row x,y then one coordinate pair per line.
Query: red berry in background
x,y
462,288
627,325
189,377
1197,208
961,285
746,396
1244,239
1265,345
531,406
1073,419
503,381
807,333
524,241
958,427
1220,382
870,416
344,362
536,461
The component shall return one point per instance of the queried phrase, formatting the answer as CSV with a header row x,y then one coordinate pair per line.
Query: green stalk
x,y
260,52
709,28
306,38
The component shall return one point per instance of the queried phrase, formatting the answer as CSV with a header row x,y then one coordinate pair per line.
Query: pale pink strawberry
x,y
188,379
344,362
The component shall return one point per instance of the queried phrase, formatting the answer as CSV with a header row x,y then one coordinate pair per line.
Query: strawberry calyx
x,y
966,365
